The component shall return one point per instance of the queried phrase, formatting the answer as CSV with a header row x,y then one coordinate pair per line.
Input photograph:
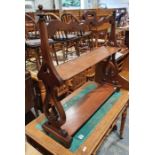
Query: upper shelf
x,y
78,65
73,67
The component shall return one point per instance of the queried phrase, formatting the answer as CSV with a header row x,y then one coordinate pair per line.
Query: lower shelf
x,y
80,112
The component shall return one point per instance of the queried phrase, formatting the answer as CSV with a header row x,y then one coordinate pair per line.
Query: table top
x,y
91,142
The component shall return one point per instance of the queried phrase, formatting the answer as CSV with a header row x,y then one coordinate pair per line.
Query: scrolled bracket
x,y
111,75
107,72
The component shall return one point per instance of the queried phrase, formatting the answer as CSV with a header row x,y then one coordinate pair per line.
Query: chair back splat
x,y
68,18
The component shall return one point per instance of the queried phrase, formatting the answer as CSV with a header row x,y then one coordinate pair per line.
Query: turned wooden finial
x,y
40,12
40,7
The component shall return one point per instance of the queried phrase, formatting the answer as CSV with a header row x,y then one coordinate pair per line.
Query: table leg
x,y
123,120
38,63
96,40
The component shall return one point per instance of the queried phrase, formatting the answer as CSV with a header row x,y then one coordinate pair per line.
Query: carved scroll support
x,y
53,109
107,72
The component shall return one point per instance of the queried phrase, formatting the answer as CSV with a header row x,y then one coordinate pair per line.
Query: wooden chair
x,y
68,18
64,124
103,27
61,39
50,16
32,47
31,28
66,34
85,35
32,41
74,12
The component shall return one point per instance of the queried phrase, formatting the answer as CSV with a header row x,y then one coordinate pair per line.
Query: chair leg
x,y
38,63
56,58
89,43
64,53
77,48
91,38
96,40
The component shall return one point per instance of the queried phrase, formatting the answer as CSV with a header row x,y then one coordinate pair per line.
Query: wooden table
x,y
93,142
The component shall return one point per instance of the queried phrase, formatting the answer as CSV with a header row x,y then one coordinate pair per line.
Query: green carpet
x,y
83,133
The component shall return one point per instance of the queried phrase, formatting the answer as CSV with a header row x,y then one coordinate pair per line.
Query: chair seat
x,y
85,34
69,37
33,35
34,43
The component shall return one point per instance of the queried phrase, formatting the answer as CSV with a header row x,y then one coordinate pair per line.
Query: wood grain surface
x,y
76,66
79,113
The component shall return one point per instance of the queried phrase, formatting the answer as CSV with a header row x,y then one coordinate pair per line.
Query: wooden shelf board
x,y
78,65
79,113
71,68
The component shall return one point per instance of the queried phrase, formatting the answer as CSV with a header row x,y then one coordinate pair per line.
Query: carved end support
x,y
53,109
107,72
